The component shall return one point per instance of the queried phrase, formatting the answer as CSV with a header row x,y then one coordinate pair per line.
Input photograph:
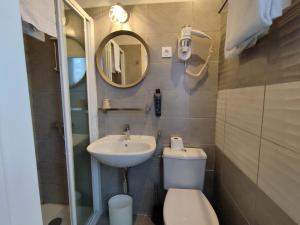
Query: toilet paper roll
x,y
176,143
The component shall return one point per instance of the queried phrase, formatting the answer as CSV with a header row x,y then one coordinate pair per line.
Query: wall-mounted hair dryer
x,y
185,48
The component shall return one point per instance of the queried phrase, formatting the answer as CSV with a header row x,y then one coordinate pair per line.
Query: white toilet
x,y
185,204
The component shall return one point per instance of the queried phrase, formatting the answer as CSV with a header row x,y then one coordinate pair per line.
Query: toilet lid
x,y
188,207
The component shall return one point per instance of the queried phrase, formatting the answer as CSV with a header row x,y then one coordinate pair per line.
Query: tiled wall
x,y
258,129
46,109
188,108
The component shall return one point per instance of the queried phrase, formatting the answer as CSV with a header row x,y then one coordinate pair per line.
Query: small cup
x,y
106,104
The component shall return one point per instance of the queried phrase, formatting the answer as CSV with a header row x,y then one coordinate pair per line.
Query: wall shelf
x,y
147,109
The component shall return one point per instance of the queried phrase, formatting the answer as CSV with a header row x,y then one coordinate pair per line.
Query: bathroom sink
x,y
116,151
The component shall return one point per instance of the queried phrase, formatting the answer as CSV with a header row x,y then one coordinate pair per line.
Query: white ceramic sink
x,y
114,150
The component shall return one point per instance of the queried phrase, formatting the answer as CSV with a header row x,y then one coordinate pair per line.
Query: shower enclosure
x,y
46,109
62,89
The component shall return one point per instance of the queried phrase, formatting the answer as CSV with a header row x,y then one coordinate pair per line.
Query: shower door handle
x,y
56,68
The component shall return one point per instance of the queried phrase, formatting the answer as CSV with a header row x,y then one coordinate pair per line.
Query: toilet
x,y
185,204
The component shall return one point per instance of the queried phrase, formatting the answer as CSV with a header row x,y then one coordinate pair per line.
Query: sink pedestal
x,y
125,180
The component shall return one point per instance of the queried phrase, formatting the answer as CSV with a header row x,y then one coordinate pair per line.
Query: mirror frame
x,y
83,47
100,50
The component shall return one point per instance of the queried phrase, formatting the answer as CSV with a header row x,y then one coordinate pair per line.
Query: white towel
x,y
32,31
116,57
40,14
248,20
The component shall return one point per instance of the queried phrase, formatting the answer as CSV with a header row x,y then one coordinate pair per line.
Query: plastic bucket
x,y
120,210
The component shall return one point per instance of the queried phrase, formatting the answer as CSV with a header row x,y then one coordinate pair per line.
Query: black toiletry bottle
x,y
157,102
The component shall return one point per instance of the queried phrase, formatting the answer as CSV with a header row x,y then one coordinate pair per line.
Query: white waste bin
x,y
120,210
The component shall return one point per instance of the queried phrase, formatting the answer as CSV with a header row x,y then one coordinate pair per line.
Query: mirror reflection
x,y
123,60
76,61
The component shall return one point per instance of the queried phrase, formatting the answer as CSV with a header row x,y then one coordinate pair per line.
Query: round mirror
x,y
76,61
122,59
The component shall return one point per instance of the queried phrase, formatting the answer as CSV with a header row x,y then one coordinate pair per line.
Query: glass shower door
x,y
75,62
76,57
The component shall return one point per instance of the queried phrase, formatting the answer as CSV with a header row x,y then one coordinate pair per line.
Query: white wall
x,y
19,193
97,3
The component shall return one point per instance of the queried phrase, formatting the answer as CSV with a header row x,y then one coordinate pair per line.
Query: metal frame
x,y
92,108
223,6
78,42
101,47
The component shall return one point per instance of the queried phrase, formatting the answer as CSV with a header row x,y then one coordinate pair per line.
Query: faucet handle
x,y
127,132
127,127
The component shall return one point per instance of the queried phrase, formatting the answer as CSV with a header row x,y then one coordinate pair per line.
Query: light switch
x,y
166,52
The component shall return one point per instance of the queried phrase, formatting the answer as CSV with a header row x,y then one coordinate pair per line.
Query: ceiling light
x,y
118,14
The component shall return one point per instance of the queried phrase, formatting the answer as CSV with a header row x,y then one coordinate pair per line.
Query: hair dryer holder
x,y
184,46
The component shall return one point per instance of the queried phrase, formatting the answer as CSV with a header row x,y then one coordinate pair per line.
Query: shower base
x,y
52,211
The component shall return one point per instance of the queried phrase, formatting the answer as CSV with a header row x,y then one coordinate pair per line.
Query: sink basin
x,y
114,150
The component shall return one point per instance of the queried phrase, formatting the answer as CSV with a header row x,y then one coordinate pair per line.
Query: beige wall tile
x,y
203,104
157,40
273,60
231,213
245,107
201,131
175,103
139,21
221,105
207,5
220,134
173,126
241,188
267,212
205,14
243,149
279,177
166,76
169,17
282,115
228,78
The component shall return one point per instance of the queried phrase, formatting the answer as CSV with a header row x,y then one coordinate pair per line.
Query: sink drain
x,y
56,221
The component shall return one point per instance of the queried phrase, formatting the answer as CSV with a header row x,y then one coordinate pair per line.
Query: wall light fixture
x,y
118,14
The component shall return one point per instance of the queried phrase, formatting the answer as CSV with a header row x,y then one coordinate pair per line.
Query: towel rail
x,y
223,6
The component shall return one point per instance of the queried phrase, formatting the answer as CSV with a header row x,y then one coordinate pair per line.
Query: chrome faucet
x,y
127,132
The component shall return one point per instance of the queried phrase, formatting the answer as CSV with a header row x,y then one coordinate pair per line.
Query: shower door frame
x,y
92,107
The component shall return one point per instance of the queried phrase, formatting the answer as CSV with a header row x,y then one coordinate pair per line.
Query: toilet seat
x,y
188,207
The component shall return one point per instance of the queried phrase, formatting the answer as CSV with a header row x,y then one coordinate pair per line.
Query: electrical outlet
x,y
166,52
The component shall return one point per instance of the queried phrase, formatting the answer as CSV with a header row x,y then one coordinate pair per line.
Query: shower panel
x,y
64,121
46,109
78,84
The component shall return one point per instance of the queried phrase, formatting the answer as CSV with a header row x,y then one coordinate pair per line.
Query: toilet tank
x,y
184,169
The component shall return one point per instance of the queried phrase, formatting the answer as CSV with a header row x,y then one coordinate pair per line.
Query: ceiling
x,y
97,3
